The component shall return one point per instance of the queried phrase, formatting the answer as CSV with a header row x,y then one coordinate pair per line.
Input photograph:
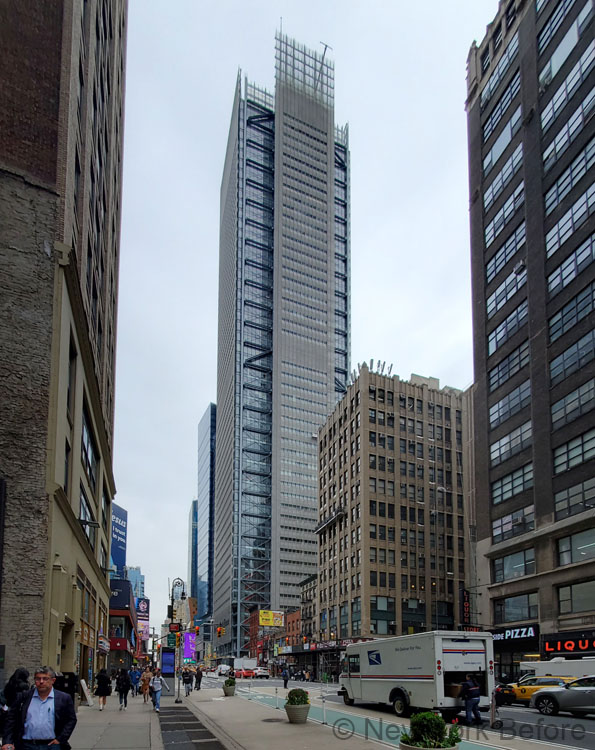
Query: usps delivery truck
x,y
421,671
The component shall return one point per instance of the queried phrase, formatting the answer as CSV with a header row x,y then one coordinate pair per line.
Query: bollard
x,y
276,697
324,708
250,690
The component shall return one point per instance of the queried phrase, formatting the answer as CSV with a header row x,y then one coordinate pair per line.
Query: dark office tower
x,y
202,527
531,99
61,126
283,332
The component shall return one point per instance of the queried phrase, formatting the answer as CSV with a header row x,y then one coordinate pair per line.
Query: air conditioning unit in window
x,y
519,267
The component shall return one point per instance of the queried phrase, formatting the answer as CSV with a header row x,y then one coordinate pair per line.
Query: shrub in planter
x,y
297,706
229,686
297,697
429,730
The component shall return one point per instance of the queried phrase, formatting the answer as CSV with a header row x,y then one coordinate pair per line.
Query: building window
x,y
563,94
570,177
574,404
504,63
105,511
573,312
514,566
485,60
580,597
510,167
574,452
513,524
501,106
505,214
508,327
575,499
507,289
568,43
511,444
515,608
89,451
569,132
509,366
511,404
572,359
502,141
553,24
85,514
577,547
567,271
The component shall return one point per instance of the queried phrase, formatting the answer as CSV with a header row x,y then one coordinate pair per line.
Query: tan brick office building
x,y
392,530
61,133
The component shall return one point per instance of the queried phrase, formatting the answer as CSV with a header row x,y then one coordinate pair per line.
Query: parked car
x,y
577,697
223,670
504,695
262,672
524,688
244,673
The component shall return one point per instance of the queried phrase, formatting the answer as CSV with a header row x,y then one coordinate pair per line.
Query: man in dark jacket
x,y
41,714
470,693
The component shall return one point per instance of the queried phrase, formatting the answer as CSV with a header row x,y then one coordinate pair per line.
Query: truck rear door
x,y
461,656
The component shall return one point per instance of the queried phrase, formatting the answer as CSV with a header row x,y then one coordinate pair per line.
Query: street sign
x,y
174,627
171,640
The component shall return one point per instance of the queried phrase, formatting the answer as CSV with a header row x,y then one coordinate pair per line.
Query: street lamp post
x,y
177,582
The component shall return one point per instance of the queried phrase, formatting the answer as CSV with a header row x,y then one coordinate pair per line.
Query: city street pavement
x,y
207,720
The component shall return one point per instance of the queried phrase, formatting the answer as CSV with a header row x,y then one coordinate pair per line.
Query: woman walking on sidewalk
x,y
123,688
157,684
103,688
144,684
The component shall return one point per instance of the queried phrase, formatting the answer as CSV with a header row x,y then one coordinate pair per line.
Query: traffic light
x,y
177,640
286,640
219,629
304,639
158,647
197,630
222,631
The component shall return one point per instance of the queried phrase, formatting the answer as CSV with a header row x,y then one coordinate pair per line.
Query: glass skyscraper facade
x,y
201,526
283,332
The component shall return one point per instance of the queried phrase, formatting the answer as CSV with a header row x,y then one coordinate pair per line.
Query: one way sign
x,y
374,658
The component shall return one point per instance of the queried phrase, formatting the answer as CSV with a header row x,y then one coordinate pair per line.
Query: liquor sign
x,y
465,604
572,642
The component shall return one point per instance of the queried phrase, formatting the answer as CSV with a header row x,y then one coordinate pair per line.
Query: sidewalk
x,y
206,720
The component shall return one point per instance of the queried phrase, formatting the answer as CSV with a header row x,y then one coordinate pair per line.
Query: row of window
x,y
570,177
576,598
574,404
568,87
509,366
510,167
511,404
553,24
507,289
573,359
574,218
572,313
566,45
570,268
571,549
501,106
508,327
501,143
569,132
575,452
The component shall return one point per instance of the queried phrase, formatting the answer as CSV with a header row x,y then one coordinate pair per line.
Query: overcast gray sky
x,y
400,84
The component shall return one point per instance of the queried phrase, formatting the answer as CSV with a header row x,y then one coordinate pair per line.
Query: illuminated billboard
x,y
269,619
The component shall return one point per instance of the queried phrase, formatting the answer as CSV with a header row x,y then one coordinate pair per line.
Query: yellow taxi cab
x,y
524,689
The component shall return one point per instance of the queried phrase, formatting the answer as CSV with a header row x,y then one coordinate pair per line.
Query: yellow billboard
x,y
269,619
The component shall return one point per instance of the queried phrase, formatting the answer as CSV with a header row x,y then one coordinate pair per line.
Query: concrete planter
x,y
297,714
229,690
405,746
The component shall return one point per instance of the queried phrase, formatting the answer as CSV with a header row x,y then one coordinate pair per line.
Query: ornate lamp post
x,y
177,583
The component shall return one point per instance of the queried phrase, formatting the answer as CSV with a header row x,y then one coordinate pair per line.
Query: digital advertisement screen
x,y
168,662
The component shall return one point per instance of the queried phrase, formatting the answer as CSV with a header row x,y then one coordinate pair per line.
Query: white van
x,y
223,670
423,671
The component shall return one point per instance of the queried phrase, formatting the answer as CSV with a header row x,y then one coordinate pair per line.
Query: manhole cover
x,y
272,721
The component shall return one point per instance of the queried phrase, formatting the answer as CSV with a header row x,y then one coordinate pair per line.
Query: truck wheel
x,y
347,700
547,705
400,706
